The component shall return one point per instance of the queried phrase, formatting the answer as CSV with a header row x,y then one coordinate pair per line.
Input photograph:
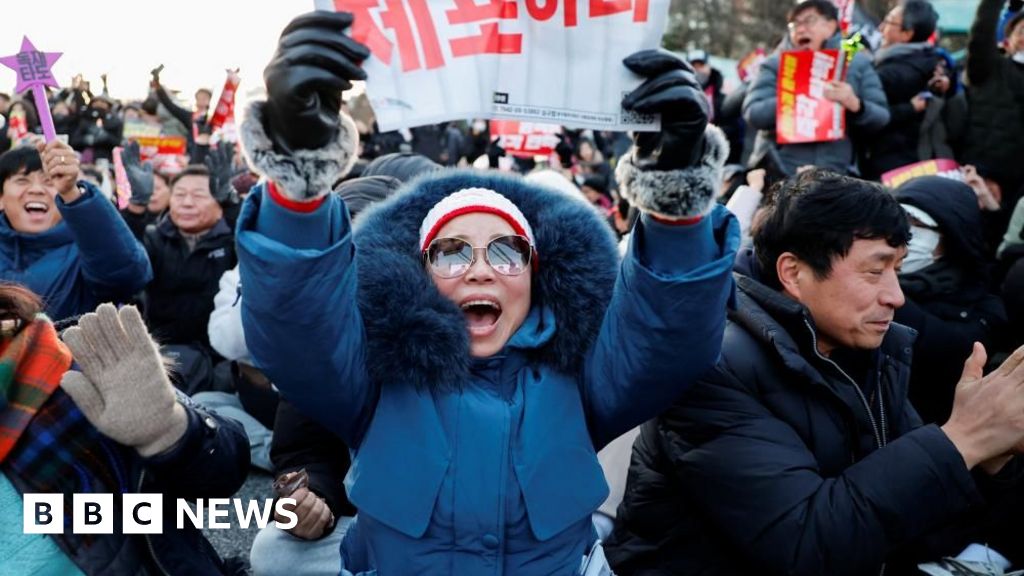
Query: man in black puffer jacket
x,y
799,453
905,65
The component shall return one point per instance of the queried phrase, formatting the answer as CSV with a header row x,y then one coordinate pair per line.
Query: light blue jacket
x,y
479,466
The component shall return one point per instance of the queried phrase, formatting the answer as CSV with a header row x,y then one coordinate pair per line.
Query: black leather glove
x,y
219,162
494,151
154,76
671,89
140,174
314,63
564,150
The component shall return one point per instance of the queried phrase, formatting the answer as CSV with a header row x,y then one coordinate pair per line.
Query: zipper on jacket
x,y
879,437
149,543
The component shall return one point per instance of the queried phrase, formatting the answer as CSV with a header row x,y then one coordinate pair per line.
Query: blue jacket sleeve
x,y
210,461
664,325
114,263
299,311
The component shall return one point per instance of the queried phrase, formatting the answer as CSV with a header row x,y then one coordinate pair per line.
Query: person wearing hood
x,y
814,25
60,237
475,329
946,281
906,65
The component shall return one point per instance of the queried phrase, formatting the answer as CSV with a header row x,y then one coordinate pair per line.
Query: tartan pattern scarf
x,y
31,366
57,450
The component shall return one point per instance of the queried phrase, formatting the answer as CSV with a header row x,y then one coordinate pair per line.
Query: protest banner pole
x,y
33,71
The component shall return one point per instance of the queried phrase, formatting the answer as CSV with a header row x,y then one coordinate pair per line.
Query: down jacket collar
x,y
779,322
416,335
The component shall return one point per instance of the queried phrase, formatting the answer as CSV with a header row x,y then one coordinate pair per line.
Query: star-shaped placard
x,y
32,66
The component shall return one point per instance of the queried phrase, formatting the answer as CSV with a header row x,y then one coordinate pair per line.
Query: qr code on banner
x,y
634,117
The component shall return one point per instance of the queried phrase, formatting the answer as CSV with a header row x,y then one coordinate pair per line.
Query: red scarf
x,y
32,363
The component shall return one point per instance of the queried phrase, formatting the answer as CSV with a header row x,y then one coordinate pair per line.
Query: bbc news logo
x,y
144,513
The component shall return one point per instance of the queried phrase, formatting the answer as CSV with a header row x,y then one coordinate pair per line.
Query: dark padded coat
x,y
771,464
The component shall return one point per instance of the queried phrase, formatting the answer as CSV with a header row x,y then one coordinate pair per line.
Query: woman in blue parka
x,y
476,339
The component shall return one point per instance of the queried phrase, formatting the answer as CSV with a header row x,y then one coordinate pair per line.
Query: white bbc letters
x,y
92,513
43,513
142,513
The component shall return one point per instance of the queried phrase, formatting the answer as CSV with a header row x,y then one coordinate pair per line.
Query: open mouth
x,y
481,315
803,42
37,208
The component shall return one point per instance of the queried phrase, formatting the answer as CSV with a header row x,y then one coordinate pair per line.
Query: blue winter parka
x,y
468,465
88,258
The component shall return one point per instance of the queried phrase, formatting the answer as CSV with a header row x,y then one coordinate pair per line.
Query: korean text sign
x,y
526,139
553,61
803,114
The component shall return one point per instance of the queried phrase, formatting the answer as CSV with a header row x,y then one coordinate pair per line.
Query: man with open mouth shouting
x,y
60,237
475,339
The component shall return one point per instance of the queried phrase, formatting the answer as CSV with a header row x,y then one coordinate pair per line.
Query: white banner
x,y
553,61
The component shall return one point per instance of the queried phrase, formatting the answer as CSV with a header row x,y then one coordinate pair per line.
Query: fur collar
x,y
416,335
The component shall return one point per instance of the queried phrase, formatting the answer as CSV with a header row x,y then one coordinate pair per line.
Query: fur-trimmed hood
x,y
417,335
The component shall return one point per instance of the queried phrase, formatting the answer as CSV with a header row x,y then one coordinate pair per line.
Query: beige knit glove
x,y
123,387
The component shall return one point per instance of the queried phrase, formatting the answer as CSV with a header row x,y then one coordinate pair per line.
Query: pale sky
x,y
195,40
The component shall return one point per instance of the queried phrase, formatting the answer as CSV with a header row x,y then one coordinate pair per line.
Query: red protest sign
x,y
802,112
941,167
526,139
150,146
225,110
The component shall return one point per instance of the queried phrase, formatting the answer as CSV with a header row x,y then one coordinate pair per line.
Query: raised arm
x,y
982,45
114,264
296,257
663,327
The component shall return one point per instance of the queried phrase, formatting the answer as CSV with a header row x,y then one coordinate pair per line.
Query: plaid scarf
x,y
31,366
55,449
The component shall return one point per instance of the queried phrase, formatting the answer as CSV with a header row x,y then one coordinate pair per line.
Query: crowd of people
x,y
691,351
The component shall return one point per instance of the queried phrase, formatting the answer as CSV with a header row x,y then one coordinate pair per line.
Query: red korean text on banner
x,y
526,139
490,40
395,16
543,10
898,176
409,26
803,114
225,110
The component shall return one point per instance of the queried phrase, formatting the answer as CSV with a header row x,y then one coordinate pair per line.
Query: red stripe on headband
x,y
516,226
